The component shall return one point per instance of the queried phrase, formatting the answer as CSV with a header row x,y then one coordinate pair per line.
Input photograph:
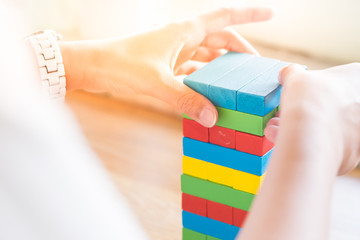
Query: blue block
x,y
226,157
202,78
262,94
209,226
223,92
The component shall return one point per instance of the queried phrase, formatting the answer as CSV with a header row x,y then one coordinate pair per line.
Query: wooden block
x,y
223,92
216,192
240,183
200,80
239,81
195,168
226,137
236,179
212,238
188,234
242,122
209,226
220,212
226,157
194,130
194,204
222,136
239,217
220,174
252,144
261,95
239,180
214,210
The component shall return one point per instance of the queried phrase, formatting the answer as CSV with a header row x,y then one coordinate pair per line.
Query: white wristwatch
x,y
48,55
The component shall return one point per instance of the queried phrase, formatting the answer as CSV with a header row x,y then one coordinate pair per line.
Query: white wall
x,y
327,29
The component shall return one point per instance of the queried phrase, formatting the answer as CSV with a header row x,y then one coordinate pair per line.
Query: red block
x,y
222,136
252,144
194,204
239,217
220,212
194,130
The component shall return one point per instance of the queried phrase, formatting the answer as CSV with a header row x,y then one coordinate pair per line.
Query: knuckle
x,y
189,24
226,12
286,71
188,28
291,73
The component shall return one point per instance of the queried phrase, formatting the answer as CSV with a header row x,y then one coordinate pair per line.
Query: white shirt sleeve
x,y
51,184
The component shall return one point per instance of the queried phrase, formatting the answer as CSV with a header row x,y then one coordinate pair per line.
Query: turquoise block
x,y
226,157
200,79
209,226
223,92
261,95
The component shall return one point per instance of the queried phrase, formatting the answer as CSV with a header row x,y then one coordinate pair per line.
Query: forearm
x,y
83,62
295,197
100,66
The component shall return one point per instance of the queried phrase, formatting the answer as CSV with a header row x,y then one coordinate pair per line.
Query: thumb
x,y
187,101
197,107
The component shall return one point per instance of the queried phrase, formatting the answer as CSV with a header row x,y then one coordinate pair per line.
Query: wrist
x,y
74,65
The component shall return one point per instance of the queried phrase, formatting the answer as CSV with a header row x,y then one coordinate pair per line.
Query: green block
x,y
216,192
212,238
192,235
243,122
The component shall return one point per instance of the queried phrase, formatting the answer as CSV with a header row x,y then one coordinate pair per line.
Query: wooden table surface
x,y
142,150
140,142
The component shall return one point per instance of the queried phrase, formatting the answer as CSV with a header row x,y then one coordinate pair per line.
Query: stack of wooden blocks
x,y
223,166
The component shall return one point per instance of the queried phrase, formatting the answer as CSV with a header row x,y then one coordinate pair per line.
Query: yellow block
x,y
196,168
227,176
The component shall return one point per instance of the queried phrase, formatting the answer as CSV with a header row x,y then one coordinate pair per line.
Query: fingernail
x,y
207,117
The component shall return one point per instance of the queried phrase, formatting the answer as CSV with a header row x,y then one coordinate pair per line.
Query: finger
x,y
230,40
187,101
271,133
287,72
274,121
188,67
272,128
278,113
216,20
207,54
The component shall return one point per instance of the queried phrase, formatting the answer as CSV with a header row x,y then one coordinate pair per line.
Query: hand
x,y
148,63
326,105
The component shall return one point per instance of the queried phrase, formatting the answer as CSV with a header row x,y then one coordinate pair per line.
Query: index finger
x,y
216,20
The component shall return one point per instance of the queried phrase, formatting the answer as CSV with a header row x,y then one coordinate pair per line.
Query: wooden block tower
x,y
224,166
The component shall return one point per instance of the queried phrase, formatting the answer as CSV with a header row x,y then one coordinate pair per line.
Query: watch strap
x,y
48,55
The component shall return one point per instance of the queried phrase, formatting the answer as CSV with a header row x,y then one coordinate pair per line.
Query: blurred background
x,y
325,29
139,138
